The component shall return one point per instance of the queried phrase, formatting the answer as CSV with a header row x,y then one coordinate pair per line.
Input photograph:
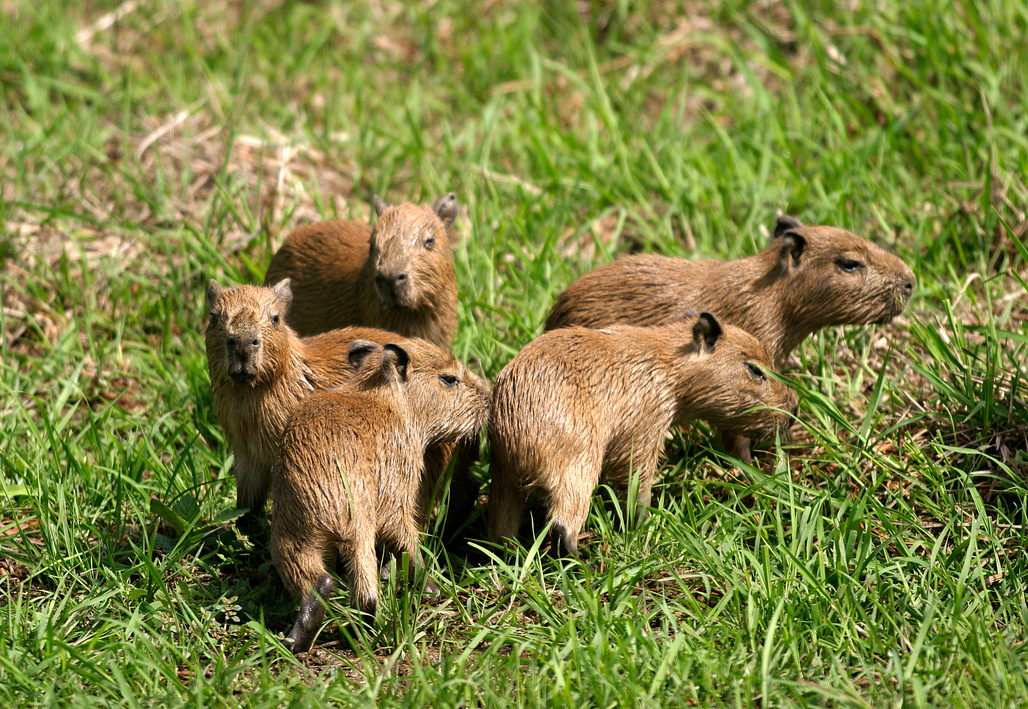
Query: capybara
x,y
808,278
351,471
397,276
260,370
579,406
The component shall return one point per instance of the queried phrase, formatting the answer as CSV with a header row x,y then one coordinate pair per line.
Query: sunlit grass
x,y
874,560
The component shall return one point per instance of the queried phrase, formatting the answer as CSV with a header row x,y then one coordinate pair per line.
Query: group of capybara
x,y
339,396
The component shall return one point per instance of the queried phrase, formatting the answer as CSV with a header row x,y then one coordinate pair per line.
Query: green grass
x,y
877,560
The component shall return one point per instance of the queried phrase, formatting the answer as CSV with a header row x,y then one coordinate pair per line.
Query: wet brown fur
x,y
782,295
351,471
577,406
397,276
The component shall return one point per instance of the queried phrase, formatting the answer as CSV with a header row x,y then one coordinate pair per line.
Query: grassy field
x,y
876,561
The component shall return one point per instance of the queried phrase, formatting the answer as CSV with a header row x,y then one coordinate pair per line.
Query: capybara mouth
x,y
242,375
390,298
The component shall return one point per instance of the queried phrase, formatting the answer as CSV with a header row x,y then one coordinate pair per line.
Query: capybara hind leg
x,y
363,580
569,508
409,545
504,510
642,498
312,612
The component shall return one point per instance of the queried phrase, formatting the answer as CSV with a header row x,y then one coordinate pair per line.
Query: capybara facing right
x,y
577,406
351,470
809,277
397,276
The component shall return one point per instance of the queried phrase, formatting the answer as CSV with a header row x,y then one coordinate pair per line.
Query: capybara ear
x,y
213,292
784,223
790,249
380,205
394,363
706,333
446,208
359,351
284,294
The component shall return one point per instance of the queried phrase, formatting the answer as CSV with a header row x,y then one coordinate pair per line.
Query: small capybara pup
x,y
351,471
577,406
260,370
808,278
397,276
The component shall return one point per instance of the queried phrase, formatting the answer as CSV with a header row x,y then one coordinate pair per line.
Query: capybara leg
x,y
739,446
312,612
569,508
409,546
363,581
642,498
504,511
463,488
251,495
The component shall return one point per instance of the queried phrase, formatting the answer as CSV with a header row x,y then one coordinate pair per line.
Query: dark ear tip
x,y
213,290
710,321
446,207
786,222
359,349
402,358
379,204
707,328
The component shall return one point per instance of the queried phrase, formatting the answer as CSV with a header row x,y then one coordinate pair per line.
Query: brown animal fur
x,y
809,277
578,406
260,370
351,471
397,276
257,386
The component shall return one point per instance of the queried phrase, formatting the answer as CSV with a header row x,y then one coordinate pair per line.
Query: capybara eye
x,y
276,319
448,379
429,242
756,371
214,317
848,265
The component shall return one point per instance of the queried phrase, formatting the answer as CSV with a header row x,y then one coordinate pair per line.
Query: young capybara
x,y
808,278
351,471
397,276
260,370
577,406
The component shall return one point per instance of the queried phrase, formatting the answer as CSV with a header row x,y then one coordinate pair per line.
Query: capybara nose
x,y
242,345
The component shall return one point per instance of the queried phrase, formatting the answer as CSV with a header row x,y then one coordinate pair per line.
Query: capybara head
x,y
837,278
446,400
739,391
410,251
246,332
